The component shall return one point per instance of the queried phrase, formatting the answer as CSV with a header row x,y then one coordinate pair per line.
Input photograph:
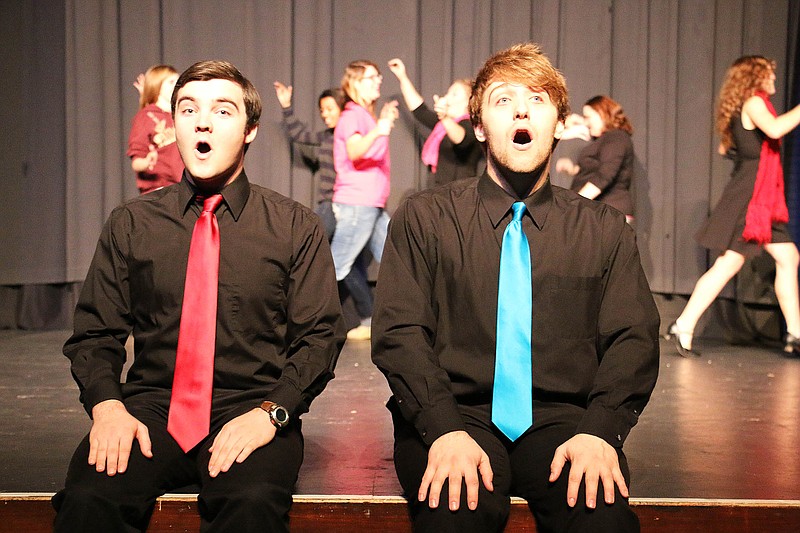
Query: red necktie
x,y
190,406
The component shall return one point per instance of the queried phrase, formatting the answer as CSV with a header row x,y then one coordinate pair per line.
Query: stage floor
x,y
723,426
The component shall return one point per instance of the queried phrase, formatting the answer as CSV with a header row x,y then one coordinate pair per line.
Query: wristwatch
x,y
278,415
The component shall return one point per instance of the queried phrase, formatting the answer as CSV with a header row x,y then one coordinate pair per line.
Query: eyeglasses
x,y
374,77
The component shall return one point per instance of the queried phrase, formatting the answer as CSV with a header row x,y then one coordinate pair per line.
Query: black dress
x,y
456,161
607,162
723,229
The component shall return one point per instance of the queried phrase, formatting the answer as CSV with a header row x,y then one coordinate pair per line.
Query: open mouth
x,y
522,137
203,147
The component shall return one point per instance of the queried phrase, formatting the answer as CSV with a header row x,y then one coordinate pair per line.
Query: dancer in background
x,y
317,151
565,155
451,151
361,158
151,143
315,147
752,212
604,171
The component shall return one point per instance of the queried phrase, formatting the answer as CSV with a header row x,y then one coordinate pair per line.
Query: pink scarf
x,y
430,150
768,203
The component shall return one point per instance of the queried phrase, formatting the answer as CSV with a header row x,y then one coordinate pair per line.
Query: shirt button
x,y
619,438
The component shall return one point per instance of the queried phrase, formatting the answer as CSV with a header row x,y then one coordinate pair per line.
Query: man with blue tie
x,y
516,329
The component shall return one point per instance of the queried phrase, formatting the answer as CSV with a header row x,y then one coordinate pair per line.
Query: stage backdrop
x,y
68,102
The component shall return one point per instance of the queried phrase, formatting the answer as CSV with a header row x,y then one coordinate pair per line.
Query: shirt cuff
x,y
434,422
107,390
611,426
288,396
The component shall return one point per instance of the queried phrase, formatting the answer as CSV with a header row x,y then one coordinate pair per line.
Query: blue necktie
x,y
512,397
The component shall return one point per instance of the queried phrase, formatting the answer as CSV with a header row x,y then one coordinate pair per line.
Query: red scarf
x,y
768,203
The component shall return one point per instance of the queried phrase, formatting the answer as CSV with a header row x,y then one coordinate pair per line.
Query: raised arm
x,y
410,94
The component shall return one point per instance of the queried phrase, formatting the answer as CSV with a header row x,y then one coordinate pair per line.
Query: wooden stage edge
x,y
32,513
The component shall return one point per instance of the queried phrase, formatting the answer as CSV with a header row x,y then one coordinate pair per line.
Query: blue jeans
x,y
356,227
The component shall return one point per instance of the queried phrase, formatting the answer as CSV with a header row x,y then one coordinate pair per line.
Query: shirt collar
x,y
235,194
497,201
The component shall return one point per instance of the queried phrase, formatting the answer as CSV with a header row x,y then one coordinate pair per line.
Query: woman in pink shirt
x,y
361,159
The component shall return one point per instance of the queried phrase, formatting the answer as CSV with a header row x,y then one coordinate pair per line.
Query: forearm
x,y
455,132
359,146
411,96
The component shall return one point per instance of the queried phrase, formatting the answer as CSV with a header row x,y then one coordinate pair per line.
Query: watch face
x,y
281,415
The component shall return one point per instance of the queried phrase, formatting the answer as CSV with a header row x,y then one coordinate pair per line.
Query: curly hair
x,y
614,117
746,76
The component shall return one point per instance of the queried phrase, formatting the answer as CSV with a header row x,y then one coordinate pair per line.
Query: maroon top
x,y
153,126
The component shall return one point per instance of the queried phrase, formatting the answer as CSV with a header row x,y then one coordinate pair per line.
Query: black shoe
x,y
674,334
791,345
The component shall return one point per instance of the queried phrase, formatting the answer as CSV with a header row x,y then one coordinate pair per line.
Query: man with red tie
x,y
229,291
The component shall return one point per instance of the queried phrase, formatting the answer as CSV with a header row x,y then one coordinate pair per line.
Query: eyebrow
x,y
222,100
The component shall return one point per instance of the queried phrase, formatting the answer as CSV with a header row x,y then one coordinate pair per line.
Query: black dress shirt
x,y
594,324
608,163
279,326
456,161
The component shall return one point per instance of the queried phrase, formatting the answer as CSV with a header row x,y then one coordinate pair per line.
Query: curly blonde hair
x,y
746,76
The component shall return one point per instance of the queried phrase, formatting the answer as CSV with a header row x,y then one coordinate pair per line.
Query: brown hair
x,y
151,87
743,79
611,112
223,70
524,64
353,73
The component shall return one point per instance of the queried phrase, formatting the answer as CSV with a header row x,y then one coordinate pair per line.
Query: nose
x,y
521,111
202,122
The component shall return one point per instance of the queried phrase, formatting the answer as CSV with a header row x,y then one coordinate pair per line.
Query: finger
x,y
592,480
112,457
145,445
557,465
608,487
124,455
245,453
454,492
216,451
487,475
473,486
100,458
434,491
93,445
574,485
619,479
425,484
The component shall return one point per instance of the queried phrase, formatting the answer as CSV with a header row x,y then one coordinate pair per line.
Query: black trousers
x,y
520,469
252,496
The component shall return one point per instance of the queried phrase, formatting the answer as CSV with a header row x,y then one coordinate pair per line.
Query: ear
x,y
250,136
479,133
559,129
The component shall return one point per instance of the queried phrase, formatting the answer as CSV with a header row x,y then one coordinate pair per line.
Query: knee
x,y
490,514
88,508
257,503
